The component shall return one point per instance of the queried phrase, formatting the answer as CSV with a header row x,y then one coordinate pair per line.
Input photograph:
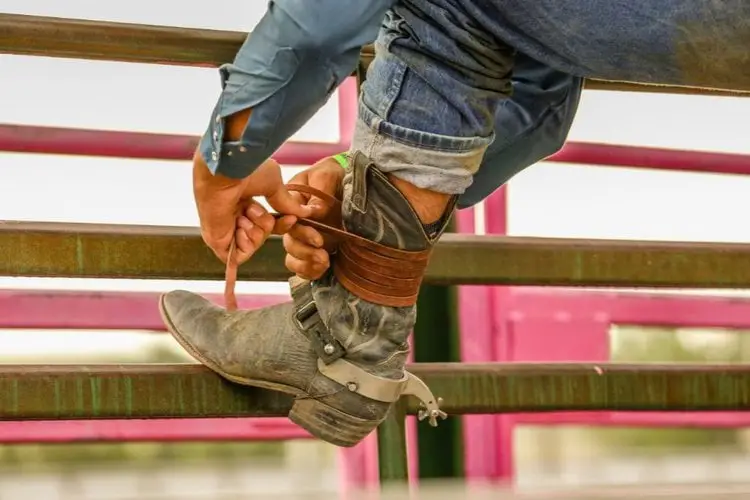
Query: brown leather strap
x,y
372,271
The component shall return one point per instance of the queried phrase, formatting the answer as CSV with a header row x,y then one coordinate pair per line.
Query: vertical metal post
x,y
437,340
394,468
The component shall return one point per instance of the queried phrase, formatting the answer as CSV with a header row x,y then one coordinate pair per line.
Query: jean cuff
x,y
439,163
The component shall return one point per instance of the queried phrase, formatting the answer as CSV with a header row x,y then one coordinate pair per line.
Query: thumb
x,y
283,202
327,182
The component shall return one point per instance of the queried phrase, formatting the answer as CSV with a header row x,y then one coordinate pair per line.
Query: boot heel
x,y
329,424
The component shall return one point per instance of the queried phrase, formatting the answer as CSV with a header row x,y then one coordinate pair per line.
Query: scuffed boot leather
x,y
341,357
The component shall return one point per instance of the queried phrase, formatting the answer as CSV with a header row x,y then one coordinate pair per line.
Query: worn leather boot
x,y
341,356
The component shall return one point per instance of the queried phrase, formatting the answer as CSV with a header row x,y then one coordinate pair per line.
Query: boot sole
x,y
319,419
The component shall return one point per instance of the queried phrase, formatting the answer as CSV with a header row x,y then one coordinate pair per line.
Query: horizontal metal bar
x,y
275,429
151,430
612,155
627,308
689,419
121,251
58,140
116,144
84,310
159,391
100,40
105,310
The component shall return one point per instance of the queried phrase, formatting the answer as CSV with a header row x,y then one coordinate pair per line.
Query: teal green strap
x,y
342,160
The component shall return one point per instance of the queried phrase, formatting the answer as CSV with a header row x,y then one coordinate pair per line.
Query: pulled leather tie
x,y
374,272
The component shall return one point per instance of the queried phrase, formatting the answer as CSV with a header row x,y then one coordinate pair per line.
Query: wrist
x,y
203,177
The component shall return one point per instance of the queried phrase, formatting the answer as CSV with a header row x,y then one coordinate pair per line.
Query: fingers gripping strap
x,y
230,272
374,272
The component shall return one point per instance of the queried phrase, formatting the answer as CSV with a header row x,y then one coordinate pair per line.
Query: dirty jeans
x,y
434,108
433,102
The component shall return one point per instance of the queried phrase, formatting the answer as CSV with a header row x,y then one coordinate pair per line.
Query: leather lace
x,y
374,272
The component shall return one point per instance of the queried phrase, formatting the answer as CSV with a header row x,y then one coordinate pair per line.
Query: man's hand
x,y
228,213
307,251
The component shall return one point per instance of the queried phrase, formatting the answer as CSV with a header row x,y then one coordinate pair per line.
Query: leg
x,y
534,121
426,118
670,42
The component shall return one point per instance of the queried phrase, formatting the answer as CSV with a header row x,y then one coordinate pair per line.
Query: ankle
x,y
430,206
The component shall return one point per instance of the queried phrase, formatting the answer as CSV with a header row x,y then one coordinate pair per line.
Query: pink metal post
x,y
542,324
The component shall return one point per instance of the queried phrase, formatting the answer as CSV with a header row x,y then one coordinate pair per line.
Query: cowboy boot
x,y
341,356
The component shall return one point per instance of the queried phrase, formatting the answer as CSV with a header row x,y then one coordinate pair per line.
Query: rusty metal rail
x,y
185,390
122,251
100,40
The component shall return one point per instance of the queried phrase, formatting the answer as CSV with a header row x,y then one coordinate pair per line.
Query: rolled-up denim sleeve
x,y
286,70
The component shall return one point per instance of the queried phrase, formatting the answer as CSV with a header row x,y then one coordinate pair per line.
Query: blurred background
x,y
559,200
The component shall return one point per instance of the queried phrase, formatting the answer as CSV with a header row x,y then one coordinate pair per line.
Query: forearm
x,y
285,71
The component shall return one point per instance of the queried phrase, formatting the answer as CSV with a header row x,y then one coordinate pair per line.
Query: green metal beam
x,y
120,251
392,454
102,40
186,390
436,340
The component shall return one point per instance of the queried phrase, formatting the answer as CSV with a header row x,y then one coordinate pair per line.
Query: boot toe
x,y
193,321
180,307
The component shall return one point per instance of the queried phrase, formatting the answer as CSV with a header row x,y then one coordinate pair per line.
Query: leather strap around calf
x,y
374,272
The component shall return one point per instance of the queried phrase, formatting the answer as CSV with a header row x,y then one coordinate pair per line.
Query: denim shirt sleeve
x,y
288,67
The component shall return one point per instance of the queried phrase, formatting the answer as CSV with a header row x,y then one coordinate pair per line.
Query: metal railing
x,y
185,391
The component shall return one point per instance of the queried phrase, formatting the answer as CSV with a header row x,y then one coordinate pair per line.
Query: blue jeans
x,y
435,108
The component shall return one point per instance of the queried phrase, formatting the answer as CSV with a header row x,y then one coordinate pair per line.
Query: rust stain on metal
x,y
122,251
152,391
101,40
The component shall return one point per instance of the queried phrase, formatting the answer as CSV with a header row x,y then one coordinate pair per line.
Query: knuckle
x,y
292,264
287,241
267,222
258,235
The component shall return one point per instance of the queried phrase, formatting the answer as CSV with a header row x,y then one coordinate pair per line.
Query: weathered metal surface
x,y
128,391
83,39
101,40
533,387
153,391
91,250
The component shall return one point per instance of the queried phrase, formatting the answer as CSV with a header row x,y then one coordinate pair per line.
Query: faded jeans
x,y
435,108
435,105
